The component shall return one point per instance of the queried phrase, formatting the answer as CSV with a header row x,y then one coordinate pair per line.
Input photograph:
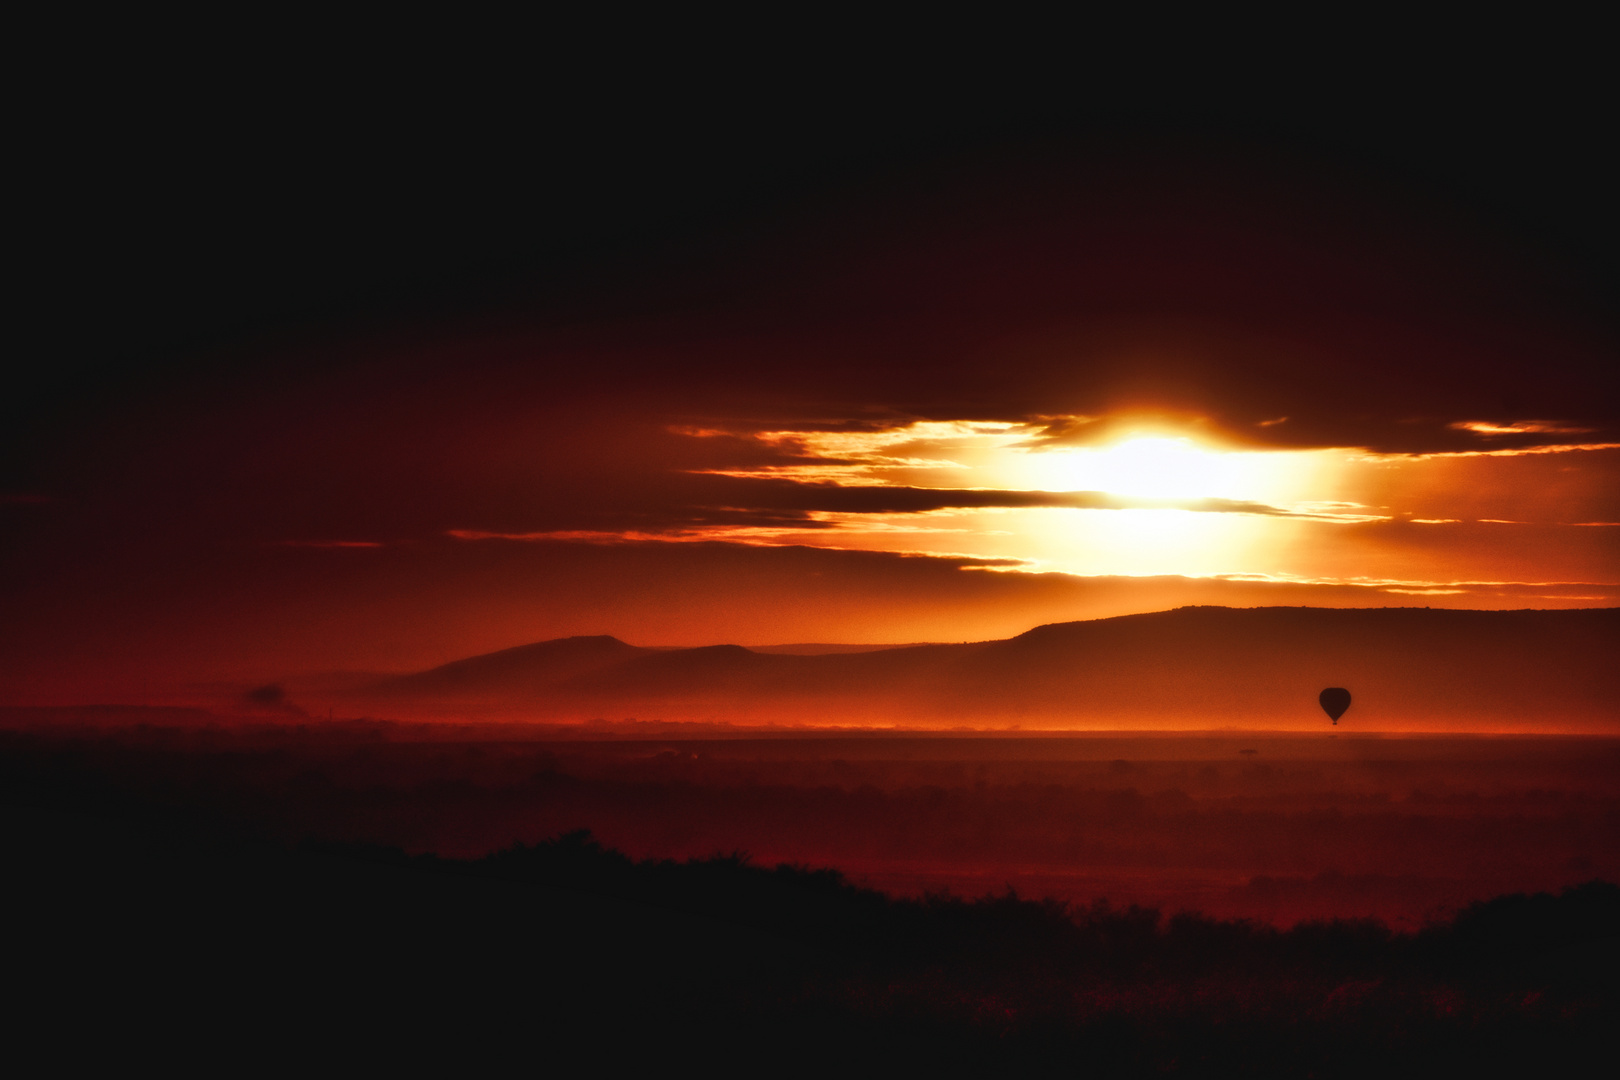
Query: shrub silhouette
x,y
1008,934
173,890
1003,980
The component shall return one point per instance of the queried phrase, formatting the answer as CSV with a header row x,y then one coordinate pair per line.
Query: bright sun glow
x,y
1173,532
1177,501
1174,467
1149,541
1152,468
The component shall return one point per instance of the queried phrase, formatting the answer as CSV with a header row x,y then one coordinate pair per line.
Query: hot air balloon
x,y
1334,700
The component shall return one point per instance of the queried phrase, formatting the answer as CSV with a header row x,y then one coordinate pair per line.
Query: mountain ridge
x,y
1213,664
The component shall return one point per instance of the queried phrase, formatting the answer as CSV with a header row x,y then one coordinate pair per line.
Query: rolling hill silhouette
x,y
1191,667
526,669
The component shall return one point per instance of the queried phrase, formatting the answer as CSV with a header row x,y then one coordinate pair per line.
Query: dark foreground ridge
x,y
1014,936
150,932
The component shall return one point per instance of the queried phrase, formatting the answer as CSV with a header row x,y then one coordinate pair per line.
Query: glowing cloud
x,y
1522,427
1116,495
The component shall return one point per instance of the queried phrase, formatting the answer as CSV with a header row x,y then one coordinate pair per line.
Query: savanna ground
x,y
407,886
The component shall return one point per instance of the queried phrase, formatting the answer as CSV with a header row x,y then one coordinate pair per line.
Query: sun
x,y
1167,467
1152,467
1147,467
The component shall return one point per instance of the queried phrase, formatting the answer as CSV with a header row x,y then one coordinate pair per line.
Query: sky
x,y
374,388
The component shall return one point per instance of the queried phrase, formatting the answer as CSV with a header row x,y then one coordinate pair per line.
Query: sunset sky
x,y
941,393
1028,541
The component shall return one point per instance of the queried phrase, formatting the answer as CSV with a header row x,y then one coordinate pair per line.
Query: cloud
x,y
743,536
738,534
335,544
1361,591
885,499
779,511
1521,427
1554,448
1425,592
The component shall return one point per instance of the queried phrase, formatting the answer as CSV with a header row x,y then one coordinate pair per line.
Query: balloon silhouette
x,y
1334,700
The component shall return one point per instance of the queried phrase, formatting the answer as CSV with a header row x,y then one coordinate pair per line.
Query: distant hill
x,y
522,671
821,648
1199,667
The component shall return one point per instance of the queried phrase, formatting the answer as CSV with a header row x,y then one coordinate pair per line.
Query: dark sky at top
x,y
185,193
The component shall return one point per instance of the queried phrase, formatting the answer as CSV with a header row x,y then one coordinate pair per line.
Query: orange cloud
x,y
1521,427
